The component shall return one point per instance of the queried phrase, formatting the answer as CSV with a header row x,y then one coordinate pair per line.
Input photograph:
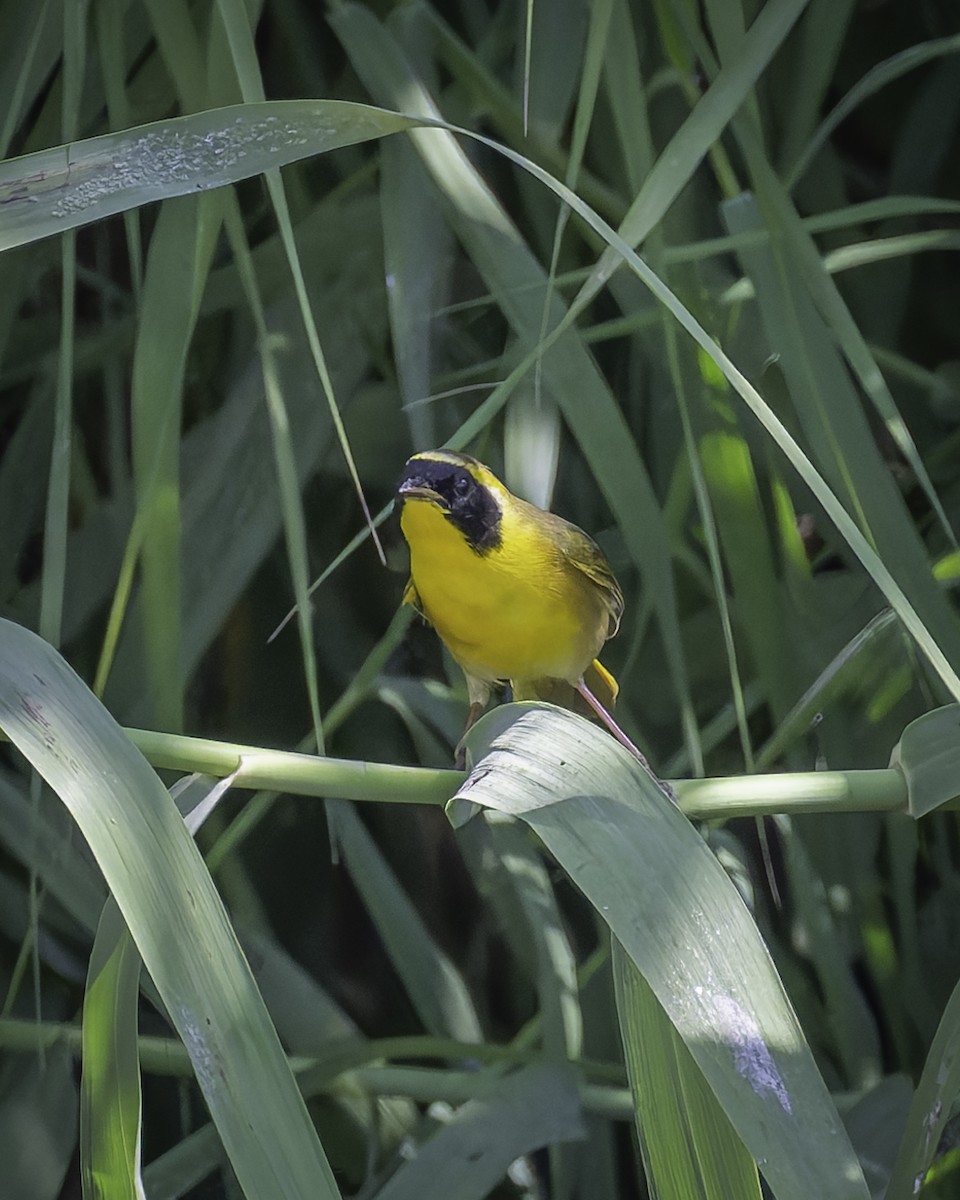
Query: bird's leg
x,y
624,741
473,715
610,723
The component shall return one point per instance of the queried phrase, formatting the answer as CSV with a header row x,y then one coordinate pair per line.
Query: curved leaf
x,y
54,190
678,916
174,913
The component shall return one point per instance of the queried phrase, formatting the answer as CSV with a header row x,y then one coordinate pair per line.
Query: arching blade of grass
x,y
876,78
54,190
675,911
173,911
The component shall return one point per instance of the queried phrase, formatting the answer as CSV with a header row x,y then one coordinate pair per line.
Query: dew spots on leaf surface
x,y
172,158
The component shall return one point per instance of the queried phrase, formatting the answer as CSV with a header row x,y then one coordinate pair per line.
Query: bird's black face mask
x,y
468,505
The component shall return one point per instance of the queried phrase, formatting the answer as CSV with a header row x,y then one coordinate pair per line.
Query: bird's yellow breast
x,y
519,611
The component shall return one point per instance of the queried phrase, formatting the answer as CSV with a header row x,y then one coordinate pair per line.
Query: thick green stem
x,y
701,799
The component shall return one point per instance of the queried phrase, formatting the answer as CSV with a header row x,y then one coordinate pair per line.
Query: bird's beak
x,y
416,489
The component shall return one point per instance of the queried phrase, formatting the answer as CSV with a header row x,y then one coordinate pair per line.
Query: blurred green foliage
x,y
172,377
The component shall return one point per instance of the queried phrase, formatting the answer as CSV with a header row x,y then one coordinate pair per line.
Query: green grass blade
x,y
890,208
847,1013
168,900
471,1154
433,983
180,50
623,84
231,509
173,1174
285,465
26,460
181,250
416,241
554,965
19,65
240,36
110,35
40,843
688,146
110,1084
927,755
689,1147
835,426
874,80
750,559
806,263
932,1105
812,64
554,66
237,23
38,1106
58,485
110,1100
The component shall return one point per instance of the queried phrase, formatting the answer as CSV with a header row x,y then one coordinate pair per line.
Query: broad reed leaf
x,y
652,879
172,909
928,754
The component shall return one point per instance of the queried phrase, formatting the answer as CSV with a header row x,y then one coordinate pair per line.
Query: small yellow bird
x,y
514,592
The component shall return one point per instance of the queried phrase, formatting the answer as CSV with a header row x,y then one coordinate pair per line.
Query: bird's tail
x,y
603,685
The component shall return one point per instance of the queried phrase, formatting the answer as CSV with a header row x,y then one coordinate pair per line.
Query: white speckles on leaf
x,y
751,1055
198,1047
173,160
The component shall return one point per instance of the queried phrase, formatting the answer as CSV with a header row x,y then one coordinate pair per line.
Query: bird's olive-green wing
x,y
582,552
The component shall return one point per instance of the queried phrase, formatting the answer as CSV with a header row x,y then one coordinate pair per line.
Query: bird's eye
x,y
461,485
